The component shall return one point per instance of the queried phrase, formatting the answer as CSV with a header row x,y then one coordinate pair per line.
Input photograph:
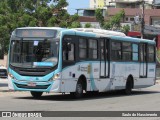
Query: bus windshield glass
x,y
34,53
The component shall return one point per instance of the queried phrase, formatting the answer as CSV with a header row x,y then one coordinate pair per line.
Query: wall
x,y
4,61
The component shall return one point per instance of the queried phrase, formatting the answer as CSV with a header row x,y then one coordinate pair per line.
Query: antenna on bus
x,y
101,32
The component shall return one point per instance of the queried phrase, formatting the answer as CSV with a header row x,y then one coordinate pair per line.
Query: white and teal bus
x,y
75,61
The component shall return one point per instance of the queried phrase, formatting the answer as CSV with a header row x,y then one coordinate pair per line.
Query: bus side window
x,y
116,53
135,52
82,48
68,51
127,51
151,53
93,54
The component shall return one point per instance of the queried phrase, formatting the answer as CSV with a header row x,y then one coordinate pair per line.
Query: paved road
x,y
141,100
3,84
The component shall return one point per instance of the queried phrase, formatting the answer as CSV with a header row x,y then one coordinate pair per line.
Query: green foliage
x,y
25,13
99,16
115,20
75,25
113,23
88,25
125,29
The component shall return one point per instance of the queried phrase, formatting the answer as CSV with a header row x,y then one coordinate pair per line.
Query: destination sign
x,y
36,33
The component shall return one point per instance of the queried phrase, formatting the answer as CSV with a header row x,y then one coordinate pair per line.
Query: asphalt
x,y
4,85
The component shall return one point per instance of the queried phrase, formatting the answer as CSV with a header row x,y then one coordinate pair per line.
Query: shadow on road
x,y
90,96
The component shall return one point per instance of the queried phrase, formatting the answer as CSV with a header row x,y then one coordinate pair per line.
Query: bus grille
x,y
30,87
32,71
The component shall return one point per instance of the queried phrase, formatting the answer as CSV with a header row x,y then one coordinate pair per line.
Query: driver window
x,y
68,51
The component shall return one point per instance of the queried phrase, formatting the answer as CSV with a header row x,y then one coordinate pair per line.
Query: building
x,y
101,3
122,3
133,3
132,8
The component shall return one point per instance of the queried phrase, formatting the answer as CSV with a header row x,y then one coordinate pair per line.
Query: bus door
x,y
104,58
143,60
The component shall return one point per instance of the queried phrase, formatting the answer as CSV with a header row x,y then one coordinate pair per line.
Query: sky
x,y
75,4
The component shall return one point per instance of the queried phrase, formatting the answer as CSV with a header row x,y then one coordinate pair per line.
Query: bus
x,y
77,61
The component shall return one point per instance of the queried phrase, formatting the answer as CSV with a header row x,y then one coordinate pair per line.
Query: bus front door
x,y
104,58
143,60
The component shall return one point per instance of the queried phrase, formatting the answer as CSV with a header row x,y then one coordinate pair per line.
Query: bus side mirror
x,y
1,54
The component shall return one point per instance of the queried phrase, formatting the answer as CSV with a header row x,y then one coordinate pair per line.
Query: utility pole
x,y
142,22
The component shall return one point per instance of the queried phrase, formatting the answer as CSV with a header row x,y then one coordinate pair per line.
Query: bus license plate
x,y
31,84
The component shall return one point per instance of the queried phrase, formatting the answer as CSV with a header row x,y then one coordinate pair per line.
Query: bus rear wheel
x,y
79,90
36,94
129,86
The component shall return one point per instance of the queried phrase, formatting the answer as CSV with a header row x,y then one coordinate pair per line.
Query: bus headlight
x,y
56,76
10,75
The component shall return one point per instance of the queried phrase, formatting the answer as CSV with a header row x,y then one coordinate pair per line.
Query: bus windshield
x,y
34,53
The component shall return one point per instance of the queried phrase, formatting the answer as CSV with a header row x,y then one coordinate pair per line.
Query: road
x,y
147,99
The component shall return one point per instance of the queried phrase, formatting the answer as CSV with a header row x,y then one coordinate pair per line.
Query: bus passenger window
x,y
93,49
135,52
116,53
151,54
82,48
127,51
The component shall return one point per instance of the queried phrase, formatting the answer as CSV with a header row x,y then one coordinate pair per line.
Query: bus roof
x,y
136,40
58,28
92,32
110,34
100,32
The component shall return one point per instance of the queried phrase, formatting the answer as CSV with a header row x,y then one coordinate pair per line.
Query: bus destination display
x,y
35,33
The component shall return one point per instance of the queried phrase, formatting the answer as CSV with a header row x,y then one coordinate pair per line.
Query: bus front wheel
x,y
36,94
79,90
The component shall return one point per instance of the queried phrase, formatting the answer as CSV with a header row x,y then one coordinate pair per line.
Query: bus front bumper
x,y
53,86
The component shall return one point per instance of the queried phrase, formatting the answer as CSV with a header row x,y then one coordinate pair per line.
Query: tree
x,y
88,25
125,29
25,13
75,25
114,22
99,16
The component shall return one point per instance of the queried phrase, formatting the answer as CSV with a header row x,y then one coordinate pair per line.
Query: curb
x,y
7,91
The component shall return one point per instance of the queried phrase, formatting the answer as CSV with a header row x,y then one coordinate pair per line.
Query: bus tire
x,y
36,94
79,90
129,86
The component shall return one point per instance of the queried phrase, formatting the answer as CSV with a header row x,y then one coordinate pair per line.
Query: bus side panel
x,y
120,71
149,80
151,70
91,72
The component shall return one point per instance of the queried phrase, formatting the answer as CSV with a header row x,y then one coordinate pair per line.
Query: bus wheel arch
x,y
80,86
129,85
83,80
